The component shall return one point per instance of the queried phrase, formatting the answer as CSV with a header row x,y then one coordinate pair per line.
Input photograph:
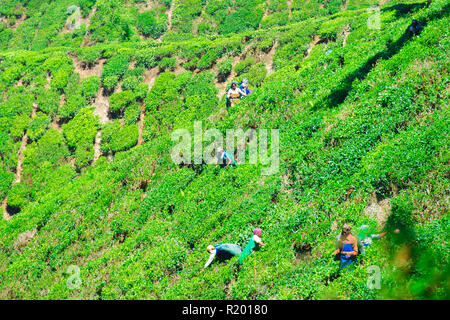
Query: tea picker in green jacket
x,y
365,237
224,158
252,244
223,252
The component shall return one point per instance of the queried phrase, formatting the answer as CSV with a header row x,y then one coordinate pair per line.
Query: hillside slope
x,y
87,179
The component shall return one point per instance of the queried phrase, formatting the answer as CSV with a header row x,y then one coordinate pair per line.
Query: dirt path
x,y
149,5
268,59
19,22
312,44
22,149
47,85
380,210
87,22
101,102
141,125
197,21
289,4
344,5
222,86
266,12
101,105
6,214
19,167
55,123
97,144
179,69
85,72
345,34
149,78
169,15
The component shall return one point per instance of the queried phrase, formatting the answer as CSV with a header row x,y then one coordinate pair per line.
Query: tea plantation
x,y
92,90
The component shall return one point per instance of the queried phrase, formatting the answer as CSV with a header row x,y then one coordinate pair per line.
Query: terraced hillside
x,y
91,92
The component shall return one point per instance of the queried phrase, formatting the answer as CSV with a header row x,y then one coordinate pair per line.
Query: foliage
x,y
118,138
82,129
89,87
244,66
363,131
38,126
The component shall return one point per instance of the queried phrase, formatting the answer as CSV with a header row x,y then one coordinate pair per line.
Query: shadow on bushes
x,y
340,93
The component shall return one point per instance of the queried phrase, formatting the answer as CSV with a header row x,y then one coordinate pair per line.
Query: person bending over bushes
x,y
223,252
254,242
224,159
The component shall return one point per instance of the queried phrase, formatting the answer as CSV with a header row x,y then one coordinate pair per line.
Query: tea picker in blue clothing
x,y
224,159
244,87
223,252
347,247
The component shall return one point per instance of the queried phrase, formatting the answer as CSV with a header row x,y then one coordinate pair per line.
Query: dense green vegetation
x,y
363,118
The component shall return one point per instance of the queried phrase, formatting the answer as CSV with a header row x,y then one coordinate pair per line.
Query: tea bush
x,y
244,66
225,67
38,126
151,26
90,86
120,100
82,129
118,138
51,147
167,63
132,113
48,101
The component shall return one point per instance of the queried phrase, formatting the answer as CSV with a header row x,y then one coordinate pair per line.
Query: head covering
x,y
219,149
210,248
234,82
245,82
257,231
347,227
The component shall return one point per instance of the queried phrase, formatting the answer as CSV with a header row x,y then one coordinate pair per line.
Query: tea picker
x,y
234,94
224,158
223,251
415,28
244,87
347,247
254,242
